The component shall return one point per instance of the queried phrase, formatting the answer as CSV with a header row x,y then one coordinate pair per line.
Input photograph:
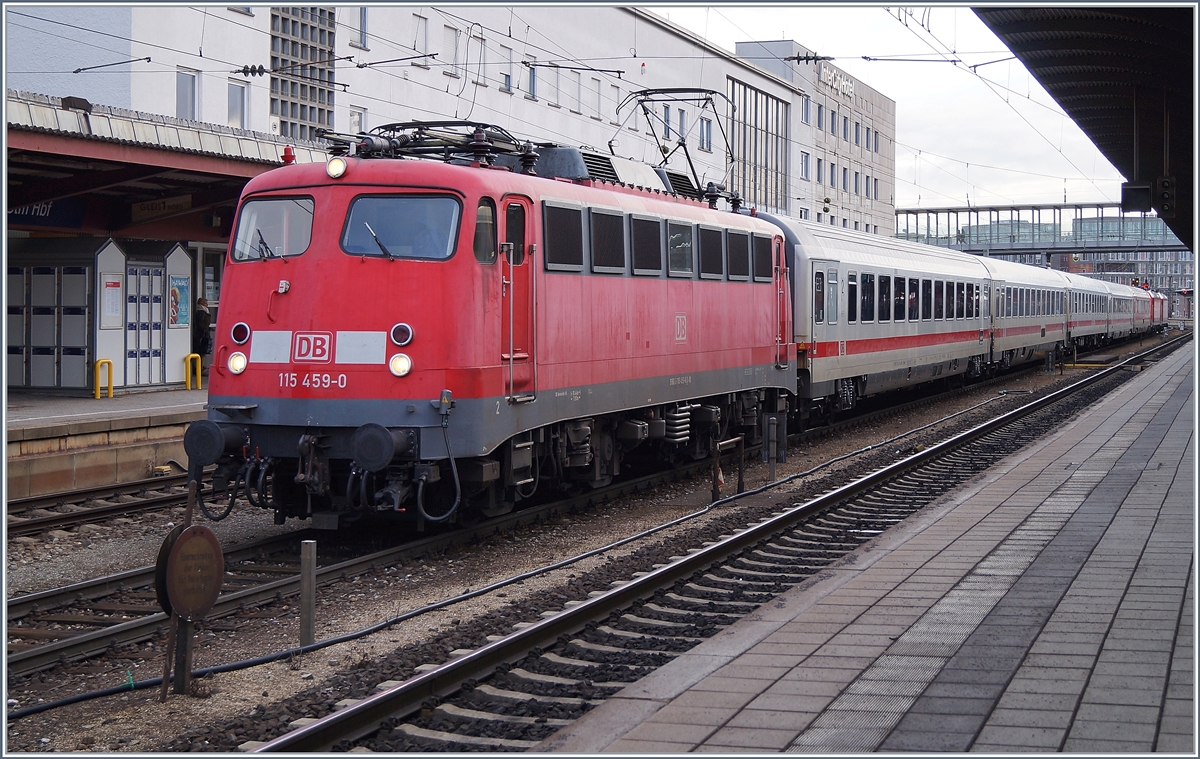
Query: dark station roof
x,y
1125,76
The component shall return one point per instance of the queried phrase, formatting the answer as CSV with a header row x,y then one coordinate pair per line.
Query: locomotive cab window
x,y
764,271
647,246
485,231
738,247
712,254
402,226
273,228
679,249
514,231
608,242
563,237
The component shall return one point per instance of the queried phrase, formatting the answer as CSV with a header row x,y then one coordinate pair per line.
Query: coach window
x,y
898,300
831,295
970,300
914,303
563,237
763,269
851,297
818,296
608,242
485,231
939,304
985,302
960,302
885,299
1008,302
712,254
926,299
679,249
647,246
868,297
738,248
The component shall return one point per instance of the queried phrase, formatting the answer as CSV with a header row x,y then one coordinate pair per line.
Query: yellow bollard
x,y
96,376
187,370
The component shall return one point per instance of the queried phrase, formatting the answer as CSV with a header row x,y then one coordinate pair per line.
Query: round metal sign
x,y
195,572
160,568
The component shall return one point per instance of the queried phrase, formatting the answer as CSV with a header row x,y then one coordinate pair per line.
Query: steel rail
x,y
361,719
75,496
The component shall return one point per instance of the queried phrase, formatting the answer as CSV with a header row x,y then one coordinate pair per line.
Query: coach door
x,y
824,283
517,295
783,310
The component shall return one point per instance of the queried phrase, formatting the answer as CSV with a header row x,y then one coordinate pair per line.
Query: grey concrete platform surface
x,y
1047,606
58,443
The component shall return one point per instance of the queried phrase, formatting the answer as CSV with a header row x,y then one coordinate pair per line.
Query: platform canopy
x,y
1125,76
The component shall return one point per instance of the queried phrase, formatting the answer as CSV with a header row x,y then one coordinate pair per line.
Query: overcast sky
x,y
993,134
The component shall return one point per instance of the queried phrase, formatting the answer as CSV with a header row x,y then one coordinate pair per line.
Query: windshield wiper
x,y
379,242
264,250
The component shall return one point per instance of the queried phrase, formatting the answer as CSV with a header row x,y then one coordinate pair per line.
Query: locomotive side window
x,y
274,227
831,295
608,242
679,249
712,254
868,297
818,297
851,297
898,300
939,303
764,271
913,302
926,299
564,238
647,246
885,299
402,226
738,246
514,231
485,232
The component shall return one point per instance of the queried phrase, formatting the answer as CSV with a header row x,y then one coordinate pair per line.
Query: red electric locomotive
x,y
443,337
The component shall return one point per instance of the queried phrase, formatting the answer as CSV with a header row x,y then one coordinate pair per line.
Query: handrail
x,y
187,370
96,376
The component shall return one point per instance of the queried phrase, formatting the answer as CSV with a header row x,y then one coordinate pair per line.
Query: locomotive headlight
x,y
237,362
400,364
336,167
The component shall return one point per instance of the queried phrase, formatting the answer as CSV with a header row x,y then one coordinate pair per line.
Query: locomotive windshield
x,y
406,226
274,227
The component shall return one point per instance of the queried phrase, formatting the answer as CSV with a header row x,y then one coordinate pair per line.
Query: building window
x,y
237,105
877,184
597,88
576,92
820,171
833,122
845,180
820,116
806,109
420,37
666,122
480,62
760,136
857,132
185,95
833,175
876,140
804,157
856,186
705,134
867,186
682,125
452,51
868,138
856,226
845,127
305,72
531,77
358,120
362,26
506,80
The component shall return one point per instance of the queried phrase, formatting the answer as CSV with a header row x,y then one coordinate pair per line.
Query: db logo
x,y
314,347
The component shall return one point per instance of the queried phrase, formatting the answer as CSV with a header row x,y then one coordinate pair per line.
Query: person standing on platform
x,y
201,339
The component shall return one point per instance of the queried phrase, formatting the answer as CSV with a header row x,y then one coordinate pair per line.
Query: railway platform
x,y
1047,606
58,443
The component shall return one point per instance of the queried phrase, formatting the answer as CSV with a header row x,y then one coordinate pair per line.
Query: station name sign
x,y
837,80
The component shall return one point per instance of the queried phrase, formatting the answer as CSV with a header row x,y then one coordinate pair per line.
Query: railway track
x,y
516,691
29,516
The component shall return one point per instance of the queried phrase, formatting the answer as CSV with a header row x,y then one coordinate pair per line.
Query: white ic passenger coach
x,y
874,313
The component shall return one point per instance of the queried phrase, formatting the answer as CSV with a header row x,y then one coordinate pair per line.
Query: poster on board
x,y
111,300
179,301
